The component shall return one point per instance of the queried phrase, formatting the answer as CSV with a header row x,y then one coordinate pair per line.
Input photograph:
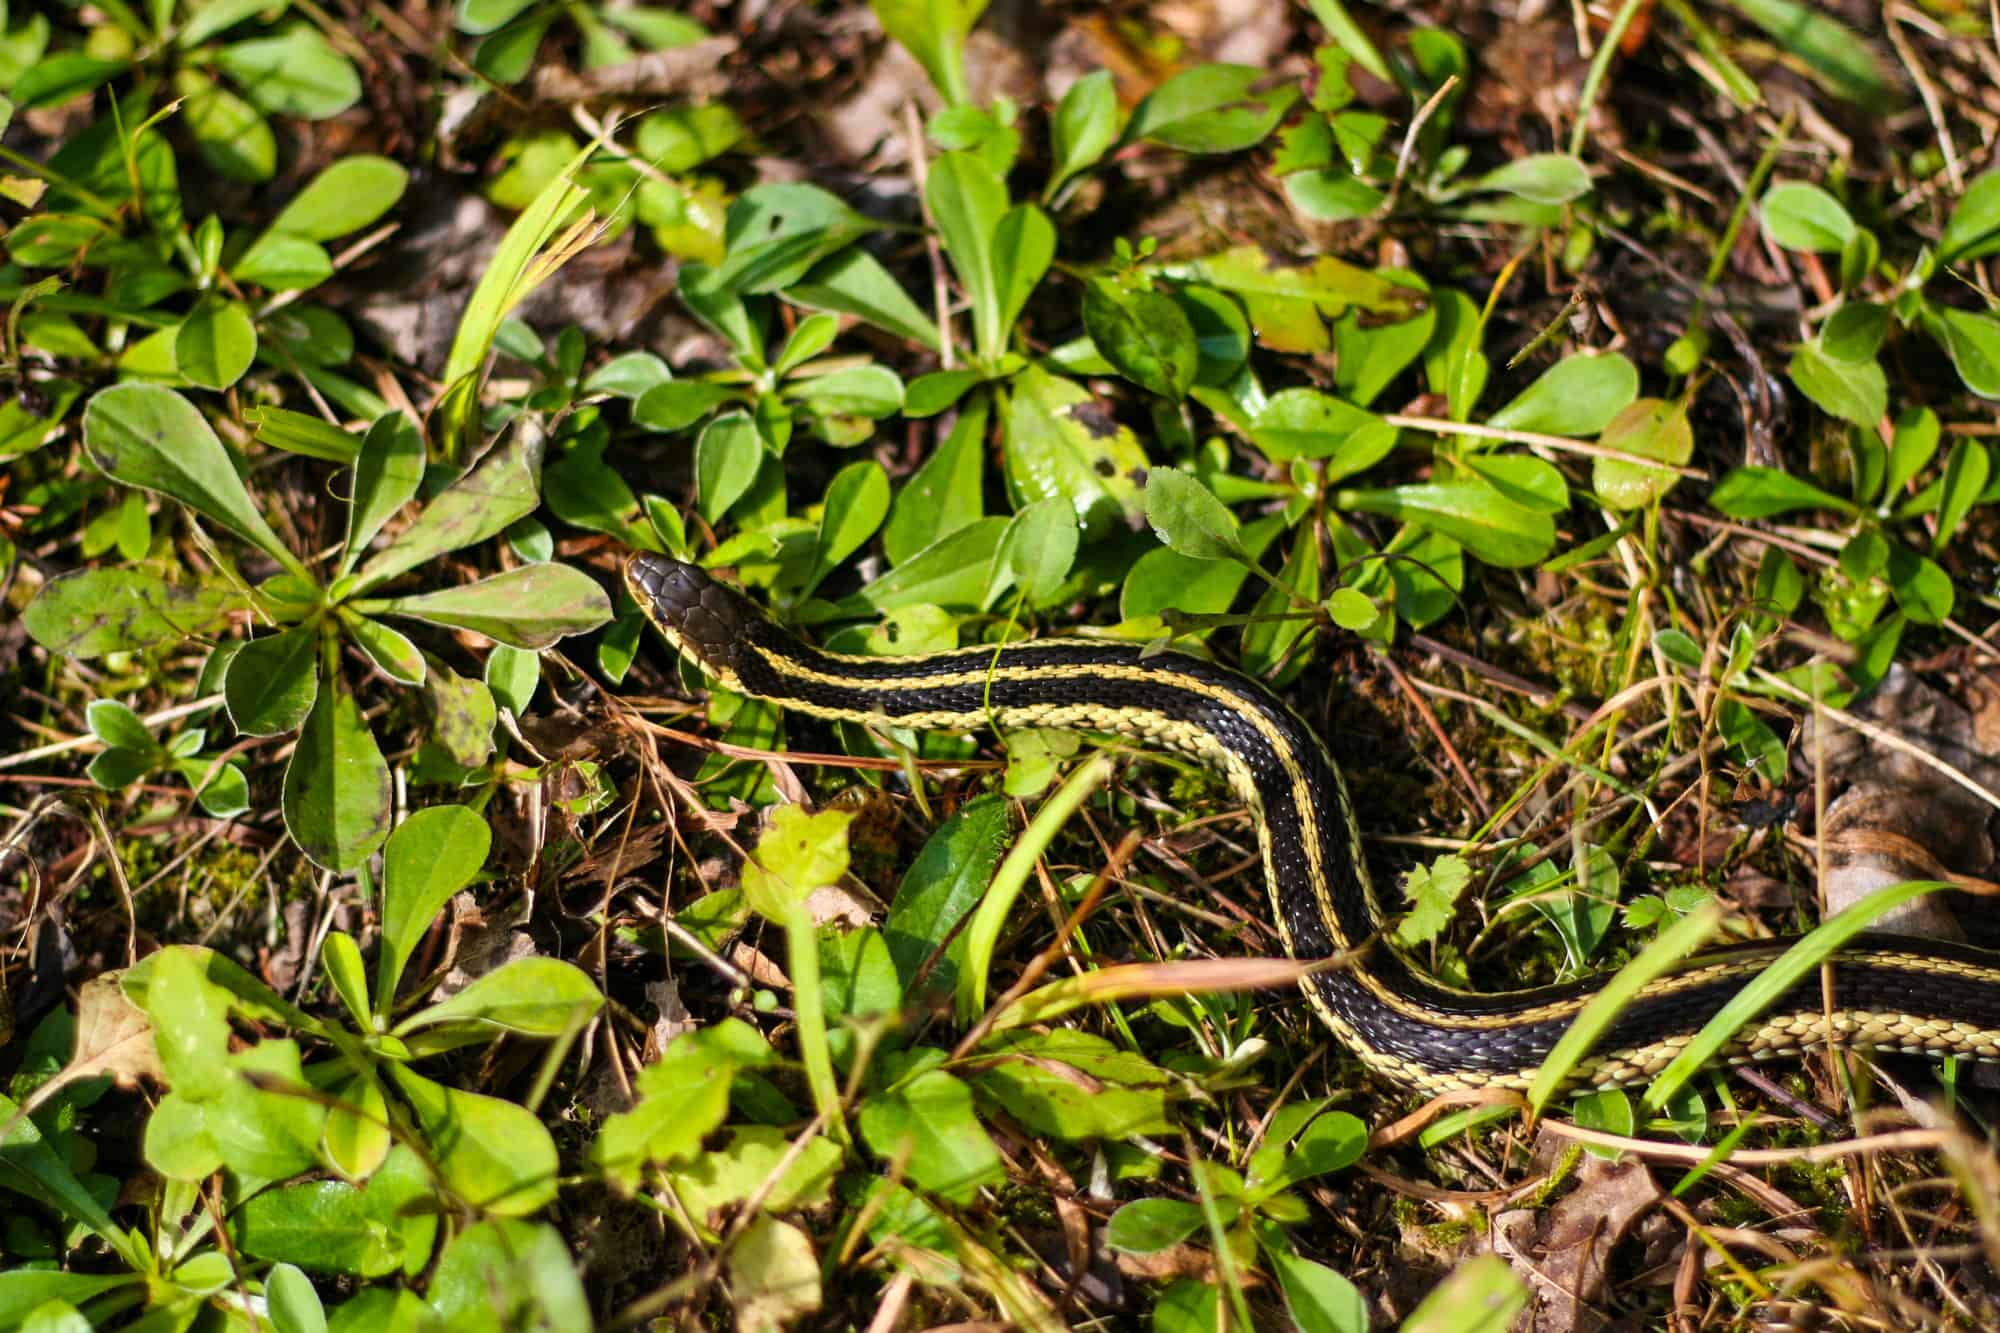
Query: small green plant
x,y
232,65
131,754
510,32
336,800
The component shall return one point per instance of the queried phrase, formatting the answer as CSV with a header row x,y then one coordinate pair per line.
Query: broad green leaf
x,y
857,500
722,1176
1544,178
1481,1296
1762,492
1857,392
1305,423
293,1304
1084,125
272,682
1285,298
529,607
1211,109
307,436
116,769
151,437
534,997
853,282
950,572
116,724
1800,216
492,1154
1320,1300
945,494
1854,332
332,1226
1062,443
387,472
941,888
1490,526
1974,226
1144,334
483,16
1650,428
1023,247
283,264
930,1118
519,1272
968,200
797,854
1036,552
232,136
1577,396
1965,473
628,376
347,196
1837,56
777,232
432,855
1072,1086
1974,342
336,792
26,1291
870,391
296,73
682,1098
678,404
513,674
933,31
1147,1226
1911,449
726,461
1922,589
32,1166
463,714
1186,516
501,488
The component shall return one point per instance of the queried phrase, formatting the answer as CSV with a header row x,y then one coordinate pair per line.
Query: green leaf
x,y
968,199
296,73
1434,891
1147,1226
492,1154
283,264
272,682
1923,590
513,674
869,391
1489,525
1210,109
1974,227
347,196
529,607
1023,247
682,1099
1062,443
951,572
1306,423
1799,216
1036,553
232,136
291,1301
1762,492
483,503
933,31
726,461
853,282
502,1274
1974,343
463,725
1186,516
152,438
331,1226
941,888
1085,124
117,725
1144,334
1073,1086
1577,396
116,769
431,856
857,500
1650,428
1965,473
1286,298
720,1177
930,1118
797,854
336,792
26,1291
1543,178
1837,56
307,436
945,494
1320,1300
1911,449
59,77
533,997
483,16
1854,332
776,233
1853,391
387,472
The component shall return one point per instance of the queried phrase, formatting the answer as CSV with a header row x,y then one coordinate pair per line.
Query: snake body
x,y
1887,992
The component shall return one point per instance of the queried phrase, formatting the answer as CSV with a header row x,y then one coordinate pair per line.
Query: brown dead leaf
x,y
114,1039
1563,1252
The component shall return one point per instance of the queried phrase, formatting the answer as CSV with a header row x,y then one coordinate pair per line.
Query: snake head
x,y
700,616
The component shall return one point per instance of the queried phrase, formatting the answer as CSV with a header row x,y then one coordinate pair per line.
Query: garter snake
x,y
1889,992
